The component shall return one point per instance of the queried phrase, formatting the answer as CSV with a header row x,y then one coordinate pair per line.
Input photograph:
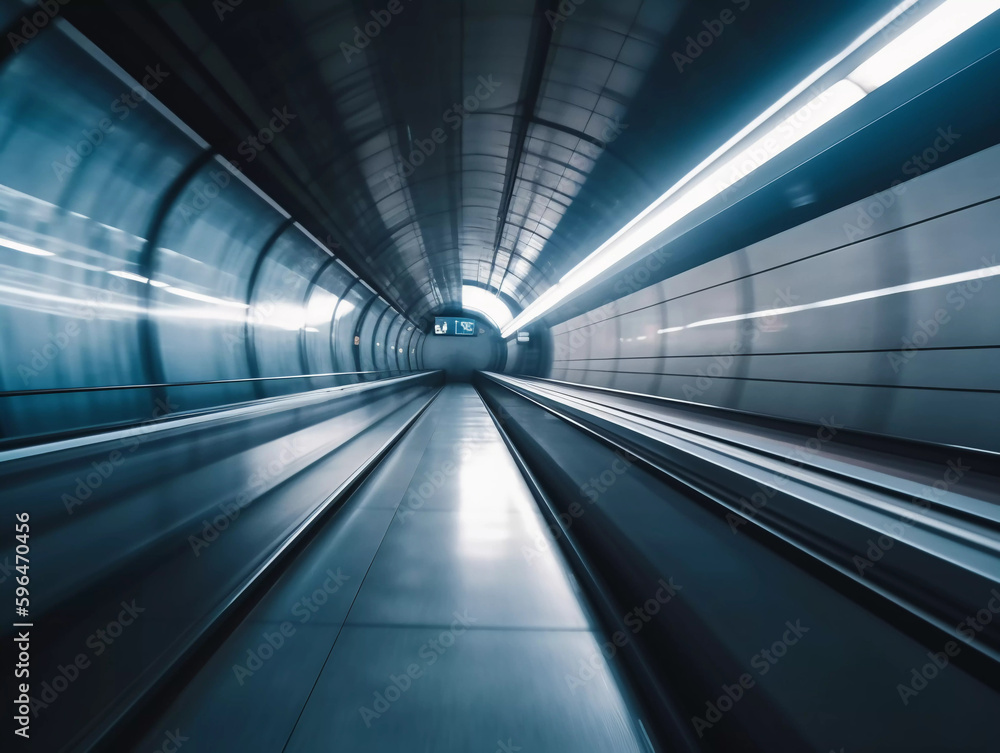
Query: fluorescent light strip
x,y
763,118
910,287
812,115
24,248
821,109
930,33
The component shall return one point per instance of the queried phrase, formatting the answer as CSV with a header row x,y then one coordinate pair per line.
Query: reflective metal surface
x,y
881,319
225,231
494,143
129,254
766,646
176,518
442,635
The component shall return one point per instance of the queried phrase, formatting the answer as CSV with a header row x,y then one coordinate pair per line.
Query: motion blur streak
x,y
323,426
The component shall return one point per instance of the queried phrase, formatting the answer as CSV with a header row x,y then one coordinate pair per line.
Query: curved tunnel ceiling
x,y
492,143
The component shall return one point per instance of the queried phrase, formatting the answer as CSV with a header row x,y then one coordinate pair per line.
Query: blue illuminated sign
x,y
454,326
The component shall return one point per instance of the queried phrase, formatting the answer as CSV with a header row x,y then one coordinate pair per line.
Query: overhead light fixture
x,y
710,178
24,248
930,33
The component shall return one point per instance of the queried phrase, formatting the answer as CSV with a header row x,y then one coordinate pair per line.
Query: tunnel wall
x,y
533,358
460,357
131,255
887,352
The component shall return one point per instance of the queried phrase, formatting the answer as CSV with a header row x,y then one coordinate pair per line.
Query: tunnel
x,y
555,376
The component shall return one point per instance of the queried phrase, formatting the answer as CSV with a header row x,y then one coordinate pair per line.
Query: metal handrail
x,y
62,390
